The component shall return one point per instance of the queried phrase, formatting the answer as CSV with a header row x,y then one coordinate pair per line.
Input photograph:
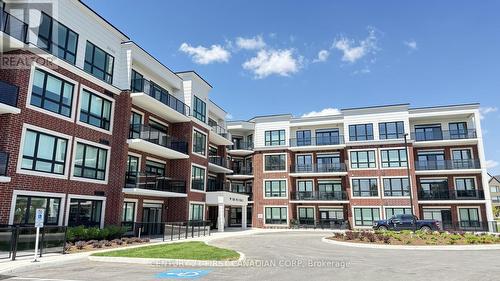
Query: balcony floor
x,y
6,109
155,106
154,193
155,149
218,169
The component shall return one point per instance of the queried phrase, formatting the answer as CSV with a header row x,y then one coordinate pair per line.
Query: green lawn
x,y
184,250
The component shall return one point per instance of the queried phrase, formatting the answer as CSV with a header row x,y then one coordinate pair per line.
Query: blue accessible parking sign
x,y
183,274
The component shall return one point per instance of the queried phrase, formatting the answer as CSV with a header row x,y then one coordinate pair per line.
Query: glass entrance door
x,y
151,219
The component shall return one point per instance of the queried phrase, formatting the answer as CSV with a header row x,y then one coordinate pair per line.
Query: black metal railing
x,y
318,168
169,231
4,163
154,182
218,186
319,195
447,164
160,94
238,170
158,137
317,141
471,225
321,223
8,93
13,26
241,146
219,161
444,135
218,129
473,194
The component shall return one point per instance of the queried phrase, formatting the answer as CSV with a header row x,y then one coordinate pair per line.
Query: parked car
x,y
406,222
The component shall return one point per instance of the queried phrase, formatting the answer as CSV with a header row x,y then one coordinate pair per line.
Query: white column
x,y
244,217
220,217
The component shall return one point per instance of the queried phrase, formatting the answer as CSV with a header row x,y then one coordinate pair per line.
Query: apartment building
x,y
495,195
97,131
352,168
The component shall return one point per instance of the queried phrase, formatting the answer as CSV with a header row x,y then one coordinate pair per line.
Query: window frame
x,y
385,135
88,109
359,193
275,167
357,137
388,193
28,207
355,165
201,207
50,42
284,221
386,163
99,147
361,208
406,210
79,199
202,116
35,157
283,189
195,145
92,65
269,141
195,176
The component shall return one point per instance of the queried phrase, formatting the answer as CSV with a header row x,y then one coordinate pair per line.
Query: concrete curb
x,y
424,248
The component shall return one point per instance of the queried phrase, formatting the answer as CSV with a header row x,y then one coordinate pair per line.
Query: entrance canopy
x,y
226,198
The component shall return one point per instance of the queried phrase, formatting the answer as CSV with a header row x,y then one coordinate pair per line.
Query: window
x,y
396,187
212,122
25,209
303,163
136,82
197,178
394,158
428,132
430,160
132,169
155,168
199,109
363,159
90,162
364,188
434,189
199,143
465,187
85,212
391,212
305,186
361,132
128,213
366,216
95,110
196,212
303,138
276,215
327,137
275,162
469,217
273,138
327,163
135,125
391,130
99,63
327,214
306,215
52,93
462,159
458,130
275,188
44,153
57,39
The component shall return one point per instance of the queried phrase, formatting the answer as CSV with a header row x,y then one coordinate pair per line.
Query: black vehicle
x,y
406,222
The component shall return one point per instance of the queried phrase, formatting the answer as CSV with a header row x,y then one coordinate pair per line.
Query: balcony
x,y
436,195
241,149
313,143
138,183
159,102
4,163
219,136
332,169
319,196
434,137
148,139
8,98
241,173
14,32
445,166
218,164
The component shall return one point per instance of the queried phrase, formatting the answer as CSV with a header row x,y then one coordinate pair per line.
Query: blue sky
x,y
268,57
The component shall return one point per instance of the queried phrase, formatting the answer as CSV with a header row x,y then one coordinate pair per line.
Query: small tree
x,y
496,211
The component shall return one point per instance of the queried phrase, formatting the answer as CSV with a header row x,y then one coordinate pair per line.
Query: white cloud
x,y
229,116
254,43
322,56
324,112
203,55
483,111
412,45
490,164
269,62
351,52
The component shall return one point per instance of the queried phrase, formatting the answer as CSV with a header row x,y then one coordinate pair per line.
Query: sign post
x,y
39,218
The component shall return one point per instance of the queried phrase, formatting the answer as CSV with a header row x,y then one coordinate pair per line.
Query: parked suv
x,y
406,222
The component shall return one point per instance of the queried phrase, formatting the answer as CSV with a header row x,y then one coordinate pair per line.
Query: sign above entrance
x,y
226,198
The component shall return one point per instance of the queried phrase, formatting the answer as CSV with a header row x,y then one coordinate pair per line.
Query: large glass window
x,y
428,132
135,125
128,212
303,163
364,188
84,212
391,212
366,216
25,209
465,187
327,137
199,143
396,187
44,153
132,169
199,109
469,217
90,162
52,93
306,215
276,215
391,130
95,110
57,38
394,158
275,162
196,212
99,63
363,159
275,188
136,82
458,130
197,178
303,137
273,138
155,168
305,186
361,132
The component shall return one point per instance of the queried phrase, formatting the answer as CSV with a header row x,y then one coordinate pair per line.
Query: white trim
x,y
67,160
348,160
462,148
382,187
380,214
306,206
108,158
131,200
274,171
149,158
301,179
191,178
154,119
469,207
197,203
151,201
88,197
365,197
71,118
275,179
394,168
16,193
138,112
276,206
104,97
206,143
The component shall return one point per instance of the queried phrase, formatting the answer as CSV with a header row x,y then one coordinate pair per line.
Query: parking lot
x,y
293,256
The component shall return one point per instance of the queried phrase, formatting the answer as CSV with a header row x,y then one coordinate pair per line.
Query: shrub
x,y
80,245
370,236
90,242
387,240
97,244
145,240
81,233
349,235
117,242
107,243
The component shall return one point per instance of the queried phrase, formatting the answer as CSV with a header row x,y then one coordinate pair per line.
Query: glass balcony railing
x,y
237,170
162,95
435,135
317,141
318,168
158,137
220,131
8,94
319,195
154,182
471,194
241,146
219,161
447,165
13,26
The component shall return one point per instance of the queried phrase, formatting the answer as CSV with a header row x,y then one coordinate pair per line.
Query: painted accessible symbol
x,y
183,274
